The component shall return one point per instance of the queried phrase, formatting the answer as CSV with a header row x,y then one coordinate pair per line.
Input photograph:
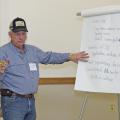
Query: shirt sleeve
x,y
52,57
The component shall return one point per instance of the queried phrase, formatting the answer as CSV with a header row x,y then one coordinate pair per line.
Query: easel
x,y
118,106
85,98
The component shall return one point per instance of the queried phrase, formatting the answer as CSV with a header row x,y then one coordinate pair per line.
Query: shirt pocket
x,y
16,68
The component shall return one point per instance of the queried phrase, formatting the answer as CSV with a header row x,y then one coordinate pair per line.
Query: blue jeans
x,y
18,108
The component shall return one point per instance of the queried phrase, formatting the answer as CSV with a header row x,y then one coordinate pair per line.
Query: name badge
x,y
33,66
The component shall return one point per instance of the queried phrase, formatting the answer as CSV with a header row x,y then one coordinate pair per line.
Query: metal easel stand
x,y
118,106
83,106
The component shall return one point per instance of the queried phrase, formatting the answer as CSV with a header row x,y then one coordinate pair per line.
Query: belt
x,y
7,92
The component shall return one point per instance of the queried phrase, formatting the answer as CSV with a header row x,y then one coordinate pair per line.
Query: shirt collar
x,y
18,50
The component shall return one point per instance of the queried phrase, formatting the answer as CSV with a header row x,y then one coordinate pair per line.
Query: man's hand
x,y
80,56
3,65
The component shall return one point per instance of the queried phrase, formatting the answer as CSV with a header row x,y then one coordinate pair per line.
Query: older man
x,y
19,72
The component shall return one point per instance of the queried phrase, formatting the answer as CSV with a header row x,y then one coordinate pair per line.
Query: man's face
x,y
18,38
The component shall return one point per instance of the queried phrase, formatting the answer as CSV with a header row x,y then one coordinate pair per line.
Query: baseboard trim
x,y
63,80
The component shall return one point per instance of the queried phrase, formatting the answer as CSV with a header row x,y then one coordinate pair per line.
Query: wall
x,y
52,24
60,102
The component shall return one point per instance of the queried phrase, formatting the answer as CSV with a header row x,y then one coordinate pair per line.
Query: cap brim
x,y
20,29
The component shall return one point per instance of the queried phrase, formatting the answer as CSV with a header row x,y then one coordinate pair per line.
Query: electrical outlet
x,y
112,107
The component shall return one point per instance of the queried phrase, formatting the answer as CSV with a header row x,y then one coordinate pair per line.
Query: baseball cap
x,y
17,25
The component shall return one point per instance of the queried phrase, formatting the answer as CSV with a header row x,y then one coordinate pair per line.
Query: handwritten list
x,y
101,39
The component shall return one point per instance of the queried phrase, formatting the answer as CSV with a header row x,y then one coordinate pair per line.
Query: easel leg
x,y
118,106
83,107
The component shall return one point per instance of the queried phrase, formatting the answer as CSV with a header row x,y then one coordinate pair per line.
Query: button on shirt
x,y
22,73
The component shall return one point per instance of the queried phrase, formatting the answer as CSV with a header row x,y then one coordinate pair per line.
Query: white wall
x,y
4,21
52,24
